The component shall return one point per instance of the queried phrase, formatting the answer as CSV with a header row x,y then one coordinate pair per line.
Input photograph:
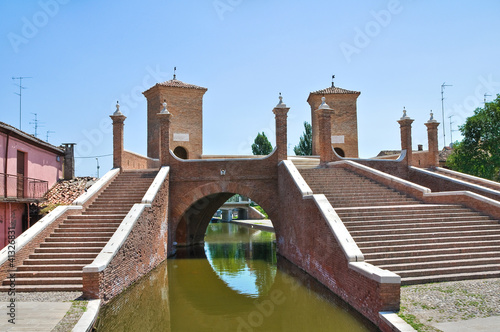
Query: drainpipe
x,y
5,166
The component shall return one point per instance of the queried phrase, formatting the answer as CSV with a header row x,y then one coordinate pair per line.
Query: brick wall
x,y
135,161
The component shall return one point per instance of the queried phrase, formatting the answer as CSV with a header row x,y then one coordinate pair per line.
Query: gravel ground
x,y
42,296
426,304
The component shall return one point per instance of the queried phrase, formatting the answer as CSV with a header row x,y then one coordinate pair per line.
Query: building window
x,y
340,152
181,152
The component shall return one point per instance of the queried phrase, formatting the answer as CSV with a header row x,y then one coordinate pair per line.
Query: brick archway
x,y
195,209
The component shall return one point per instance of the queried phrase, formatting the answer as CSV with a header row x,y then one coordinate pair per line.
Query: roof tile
x,y
180,84
334,90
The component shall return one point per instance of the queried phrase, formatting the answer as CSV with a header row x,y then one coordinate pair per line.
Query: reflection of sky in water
x,y
251,277
243,281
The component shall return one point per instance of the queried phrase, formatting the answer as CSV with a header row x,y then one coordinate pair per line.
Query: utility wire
x,y
104,155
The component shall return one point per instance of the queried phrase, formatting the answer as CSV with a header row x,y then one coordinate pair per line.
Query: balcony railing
x,y
21,187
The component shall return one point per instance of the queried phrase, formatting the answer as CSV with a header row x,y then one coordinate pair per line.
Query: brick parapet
x,y
469,199
133,161
442,183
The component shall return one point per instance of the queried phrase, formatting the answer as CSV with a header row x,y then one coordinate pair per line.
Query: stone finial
x,y
281,104
164,109
432,118
117,112
404,117
323,105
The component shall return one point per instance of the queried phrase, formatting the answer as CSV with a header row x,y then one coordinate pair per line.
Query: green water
x,y
232,283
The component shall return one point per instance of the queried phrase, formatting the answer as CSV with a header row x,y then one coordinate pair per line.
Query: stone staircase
x,y
345,189
420,242
56,265
303,162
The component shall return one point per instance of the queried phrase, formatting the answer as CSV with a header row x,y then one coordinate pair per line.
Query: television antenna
x,y
21,87
451,128
49,132
442,109
486,95
36,124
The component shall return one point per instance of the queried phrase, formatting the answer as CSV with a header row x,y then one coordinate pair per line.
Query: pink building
x,y
28,168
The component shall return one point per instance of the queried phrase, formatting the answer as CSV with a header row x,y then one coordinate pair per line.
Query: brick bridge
x,y
348,223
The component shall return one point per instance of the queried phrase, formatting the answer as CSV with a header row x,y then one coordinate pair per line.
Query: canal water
x,y
235,282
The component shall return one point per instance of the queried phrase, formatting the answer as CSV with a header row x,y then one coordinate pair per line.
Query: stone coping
x,y
468,176
342,235
150,195
464,183
96,187
86,322
34,230
301,184
375,273
395,322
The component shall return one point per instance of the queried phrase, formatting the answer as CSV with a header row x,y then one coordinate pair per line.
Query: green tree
x,y
479,152
261,145
304,148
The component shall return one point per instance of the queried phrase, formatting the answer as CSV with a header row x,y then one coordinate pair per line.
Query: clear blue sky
x,y
85,55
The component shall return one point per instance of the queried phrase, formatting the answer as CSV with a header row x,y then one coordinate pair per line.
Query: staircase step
x,y
447,263
90,255
44,288
81,239
448,270
46,281
449,277
58,261
73,244
423,233
445,251
48,274
95,250
55,267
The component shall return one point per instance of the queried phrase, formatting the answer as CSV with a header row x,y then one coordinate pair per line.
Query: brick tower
x,y
185,103
344,120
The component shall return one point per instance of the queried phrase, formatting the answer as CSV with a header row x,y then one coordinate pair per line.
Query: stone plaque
x,y
178,137
338,139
